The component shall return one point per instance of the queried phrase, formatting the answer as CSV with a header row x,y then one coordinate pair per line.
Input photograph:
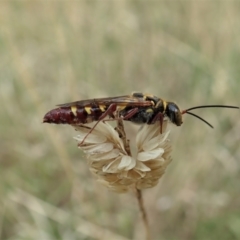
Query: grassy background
x,y
58,51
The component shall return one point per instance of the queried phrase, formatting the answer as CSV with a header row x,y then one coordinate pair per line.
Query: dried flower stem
x,y
143,213
122,134
110,160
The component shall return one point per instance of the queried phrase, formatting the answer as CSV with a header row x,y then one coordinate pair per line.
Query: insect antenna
x,y
209,106
206,106
200,118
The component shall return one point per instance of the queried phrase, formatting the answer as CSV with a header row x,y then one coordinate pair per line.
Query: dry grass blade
x,y
47,210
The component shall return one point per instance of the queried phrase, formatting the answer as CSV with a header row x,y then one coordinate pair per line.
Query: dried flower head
x,y
113,166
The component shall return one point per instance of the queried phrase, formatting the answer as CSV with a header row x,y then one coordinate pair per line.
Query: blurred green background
x,y
59,51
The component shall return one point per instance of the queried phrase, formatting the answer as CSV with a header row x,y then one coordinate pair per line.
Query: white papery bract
x,y
113,167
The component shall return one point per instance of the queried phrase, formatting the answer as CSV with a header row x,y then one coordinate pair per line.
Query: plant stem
x,y
122,135
143,213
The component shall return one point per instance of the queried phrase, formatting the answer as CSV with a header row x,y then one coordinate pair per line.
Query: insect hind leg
x,y
111,109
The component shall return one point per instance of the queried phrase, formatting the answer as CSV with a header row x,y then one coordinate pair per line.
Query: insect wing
x,y
120,100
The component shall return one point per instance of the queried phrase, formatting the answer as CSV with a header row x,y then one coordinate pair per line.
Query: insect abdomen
x,y
73,115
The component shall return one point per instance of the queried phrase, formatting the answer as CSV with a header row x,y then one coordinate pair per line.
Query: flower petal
x,y
106,155
133,174
155,141
110,133
142,167
91,138
149,155
138,174
112,167
127,163
151,144
147,184
165,135
154,164
146,133
99,148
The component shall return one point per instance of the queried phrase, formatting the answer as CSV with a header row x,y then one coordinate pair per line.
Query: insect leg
x,y
111,109
130,113
159,117
127,116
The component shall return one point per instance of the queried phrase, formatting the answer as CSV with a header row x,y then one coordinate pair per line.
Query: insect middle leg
x,y
159,117
129,114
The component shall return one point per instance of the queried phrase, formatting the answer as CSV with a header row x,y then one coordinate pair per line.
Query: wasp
x,y
138,108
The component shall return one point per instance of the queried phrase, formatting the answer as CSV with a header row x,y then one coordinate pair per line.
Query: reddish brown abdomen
x,y
65,115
